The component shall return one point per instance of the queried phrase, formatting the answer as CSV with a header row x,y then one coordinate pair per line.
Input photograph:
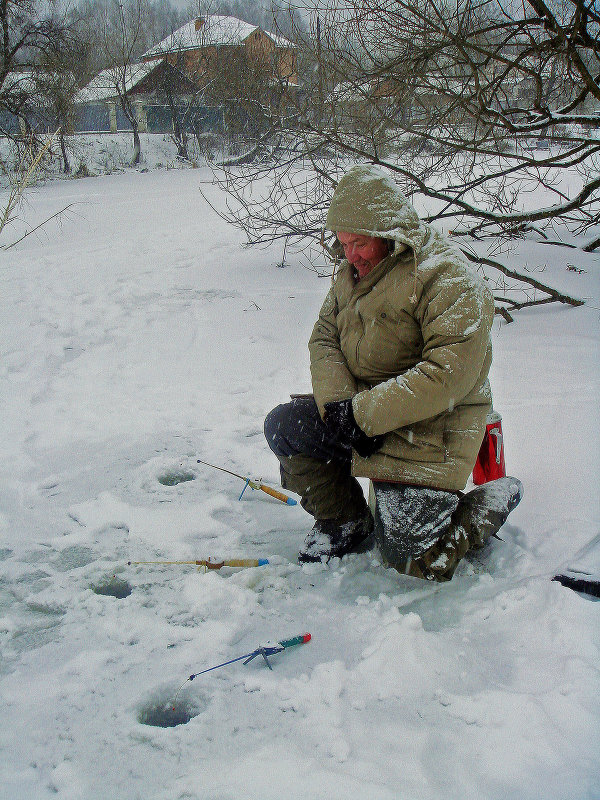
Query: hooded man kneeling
x,y
399,357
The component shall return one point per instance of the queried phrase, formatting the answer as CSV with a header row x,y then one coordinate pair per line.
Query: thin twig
x,y
554,294
37,227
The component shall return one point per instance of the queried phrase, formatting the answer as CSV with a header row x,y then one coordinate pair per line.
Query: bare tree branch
x,y
483,112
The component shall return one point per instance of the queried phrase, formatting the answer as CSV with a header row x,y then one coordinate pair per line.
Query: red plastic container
x,y
490,460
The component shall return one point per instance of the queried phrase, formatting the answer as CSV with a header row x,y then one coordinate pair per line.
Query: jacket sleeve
x,y
331,377
456,314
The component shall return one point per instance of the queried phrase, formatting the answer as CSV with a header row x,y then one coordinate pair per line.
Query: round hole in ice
x,y
162,712
173,477
114,587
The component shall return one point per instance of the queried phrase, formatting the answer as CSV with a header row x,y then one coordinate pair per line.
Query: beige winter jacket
x,y
410,342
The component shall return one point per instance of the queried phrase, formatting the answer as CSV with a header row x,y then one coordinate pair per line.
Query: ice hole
x,y
161,712
114,587
173,477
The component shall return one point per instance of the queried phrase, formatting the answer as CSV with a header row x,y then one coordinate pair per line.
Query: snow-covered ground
x,y
137,336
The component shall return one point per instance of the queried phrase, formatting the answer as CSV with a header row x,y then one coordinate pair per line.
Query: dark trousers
x,y
313,463
410,521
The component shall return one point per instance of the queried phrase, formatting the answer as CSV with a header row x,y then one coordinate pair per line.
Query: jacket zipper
x,y
362,336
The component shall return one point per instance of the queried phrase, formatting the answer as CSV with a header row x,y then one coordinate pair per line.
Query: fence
x,y
101,118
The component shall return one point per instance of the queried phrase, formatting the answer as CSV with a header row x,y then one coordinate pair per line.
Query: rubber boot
x,y
330,538
479,515
484,510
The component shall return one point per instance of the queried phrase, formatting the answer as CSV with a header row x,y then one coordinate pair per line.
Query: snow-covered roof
x,y
103,86
215,30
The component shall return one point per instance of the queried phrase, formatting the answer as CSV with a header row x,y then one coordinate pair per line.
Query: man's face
x,y
363,252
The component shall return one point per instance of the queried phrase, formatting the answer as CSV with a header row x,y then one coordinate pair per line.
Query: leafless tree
x,y
122,37
57,87
31,32
243,86
487,112
18,179
240,76
87,17
182,95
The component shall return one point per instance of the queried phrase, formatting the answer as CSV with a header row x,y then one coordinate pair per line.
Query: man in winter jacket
x,y
399,361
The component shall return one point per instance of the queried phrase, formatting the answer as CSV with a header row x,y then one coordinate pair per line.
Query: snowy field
x,y
137,336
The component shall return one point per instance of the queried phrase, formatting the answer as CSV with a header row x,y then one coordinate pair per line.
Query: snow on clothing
x,y
313,463
410,342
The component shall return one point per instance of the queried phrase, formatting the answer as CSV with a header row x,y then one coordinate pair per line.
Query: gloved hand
x,y
339,418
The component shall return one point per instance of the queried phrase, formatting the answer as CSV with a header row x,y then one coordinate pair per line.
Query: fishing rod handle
x,y
302,639
277,495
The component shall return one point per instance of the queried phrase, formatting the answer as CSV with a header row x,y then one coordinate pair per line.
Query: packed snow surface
x,y
137,336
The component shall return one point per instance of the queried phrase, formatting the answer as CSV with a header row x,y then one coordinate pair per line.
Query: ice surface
x,y
137,336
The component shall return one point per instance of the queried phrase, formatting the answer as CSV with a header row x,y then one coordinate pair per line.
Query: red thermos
x,y
490,460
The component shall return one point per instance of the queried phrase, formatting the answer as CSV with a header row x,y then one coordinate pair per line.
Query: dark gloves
x,y
339,418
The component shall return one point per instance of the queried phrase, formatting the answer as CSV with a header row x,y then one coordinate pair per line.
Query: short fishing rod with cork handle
x,y
254,483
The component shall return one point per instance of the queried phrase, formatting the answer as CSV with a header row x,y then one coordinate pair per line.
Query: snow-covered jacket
x,y
410,342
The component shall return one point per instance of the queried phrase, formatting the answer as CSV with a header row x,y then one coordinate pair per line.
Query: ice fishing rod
x,y
254,483
266,650
209,564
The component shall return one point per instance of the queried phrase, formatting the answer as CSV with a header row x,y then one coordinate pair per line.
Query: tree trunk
x,y
65,154
137,146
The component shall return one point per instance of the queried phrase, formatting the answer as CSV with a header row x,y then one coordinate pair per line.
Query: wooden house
x,y
201,48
